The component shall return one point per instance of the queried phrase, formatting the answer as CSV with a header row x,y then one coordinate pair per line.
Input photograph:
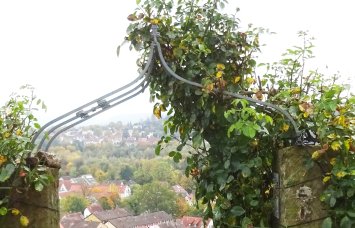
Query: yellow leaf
x,y
220,66
333,161
208,88
326,179
24,220
335,145
296,90
315,155
236,79
340,120
219,74
162,108
250,80
7,134
181,130
332,136
305,107
3,159
18,132
154,21
347,144
285,127
132,17
327,114
341,174
259,95
15,211
301,108
157,112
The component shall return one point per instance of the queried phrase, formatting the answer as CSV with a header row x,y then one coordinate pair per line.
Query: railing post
x,y
41,208
300,187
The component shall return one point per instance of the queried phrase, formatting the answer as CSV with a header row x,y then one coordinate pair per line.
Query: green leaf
x,y
37,126
172,153
138,2
198,92
39,186
254,203
177,157
6,172
268,119
246,171
118,50
350,192
180,147
209,188
157,149
258,162
230,178
246,222
332,105
238,125
196,140
237,211
249,131
177,52
327,223
332,201
345,222
256,127
227,164
3,210
351,213
252,62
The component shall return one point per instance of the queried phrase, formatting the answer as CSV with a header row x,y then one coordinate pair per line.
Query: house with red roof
x,y
92,208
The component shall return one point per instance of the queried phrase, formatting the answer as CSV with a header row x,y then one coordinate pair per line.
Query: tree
x,y
74,204
106,203
126,173
152,197
235,136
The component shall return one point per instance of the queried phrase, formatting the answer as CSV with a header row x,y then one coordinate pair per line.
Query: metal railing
x,y
85,112
64,122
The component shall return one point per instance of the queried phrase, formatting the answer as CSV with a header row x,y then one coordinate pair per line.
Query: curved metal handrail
x,y
155,35
86,115
96,113
102,104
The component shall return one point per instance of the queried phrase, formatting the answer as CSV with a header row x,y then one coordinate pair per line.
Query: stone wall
x,y
41,208
297,201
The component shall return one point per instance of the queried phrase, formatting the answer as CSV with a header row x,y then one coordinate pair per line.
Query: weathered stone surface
x,y
300,188
41,208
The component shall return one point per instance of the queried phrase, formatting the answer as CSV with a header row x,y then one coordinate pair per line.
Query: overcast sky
x,y
67,49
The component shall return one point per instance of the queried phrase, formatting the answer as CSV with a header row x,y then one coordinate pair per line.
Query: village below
x,y
111,177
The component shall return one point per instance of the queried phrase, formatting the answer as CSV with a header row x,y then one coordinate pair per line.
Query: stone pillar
x,y
41,208
297,202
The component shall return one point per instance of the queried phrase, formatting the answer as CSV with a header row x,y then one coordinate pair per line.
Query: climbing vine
x,y
233,139
17,172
